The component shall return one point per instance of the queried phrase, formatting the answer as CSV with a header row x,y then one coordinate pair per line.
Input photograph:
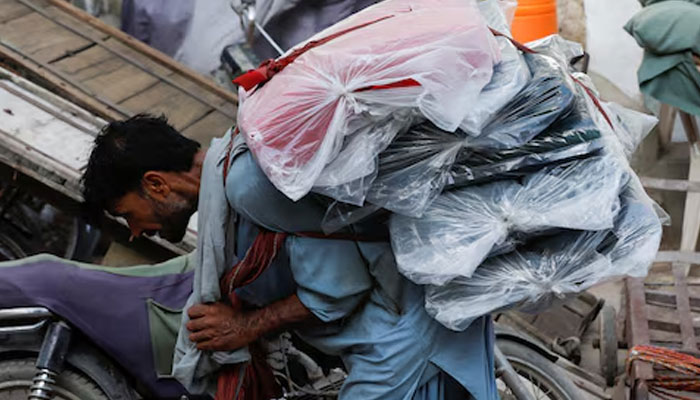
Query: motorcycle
x,y
77,349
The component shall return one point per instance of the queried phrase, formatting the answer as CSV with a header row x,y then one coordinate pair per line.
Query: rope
x,y
671,360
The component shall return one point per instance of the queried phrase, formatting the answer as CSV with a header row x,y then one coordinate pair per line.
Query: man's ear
x,y
155,185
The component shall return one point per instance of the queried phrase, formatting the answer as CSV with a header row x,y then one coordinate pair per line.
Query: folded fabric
x,y
509,77
545,97
462,227
670,33
574,135
387,58
533,278
417,165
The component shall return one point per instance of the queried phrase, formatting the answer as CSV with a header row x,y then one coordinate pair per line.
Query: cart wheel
x,y
608,344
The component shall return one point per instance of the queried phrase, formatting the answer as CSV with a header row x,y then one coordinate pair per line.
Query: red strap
x,y
403,83
260,255
595,101
269,68
517,44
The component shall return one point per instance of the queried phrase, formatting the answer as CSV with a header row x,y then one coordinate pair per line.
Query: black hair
x,y
124,151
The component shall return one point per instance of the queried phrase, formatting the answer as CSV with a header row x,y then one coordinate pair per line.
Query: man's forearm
x,y
278,315
218,326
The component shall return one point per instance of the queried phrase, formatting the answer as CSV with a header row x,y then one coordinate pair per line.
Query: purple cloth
x,y
110,309
162,24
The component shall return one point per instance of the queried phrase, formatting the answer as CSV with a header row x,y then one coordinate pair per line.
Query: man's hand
x,y
218,326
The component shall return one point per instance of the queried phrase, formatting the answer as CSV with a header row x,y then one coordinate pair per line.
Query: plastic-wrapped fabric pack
x,y
297,123
548,95
572,136
552,267
417,165
462,227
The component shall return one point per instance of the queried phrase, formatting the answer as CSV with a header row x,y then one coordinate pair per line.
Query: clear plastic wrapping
x,y
531,271
297,123
546,96
462,227
414,169
574,135
509,77
553,267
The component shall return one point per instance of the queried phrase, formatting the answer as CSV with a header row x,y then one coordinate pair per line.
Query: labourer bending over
x,y
343,296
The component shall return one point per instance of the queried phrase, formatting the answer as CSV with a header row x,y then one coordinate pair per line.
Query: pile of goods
x,y
506,177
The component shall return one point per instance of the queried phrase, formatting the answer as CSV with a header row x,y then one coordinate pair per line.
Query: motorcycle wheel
x,y
9,249
16,378
540,377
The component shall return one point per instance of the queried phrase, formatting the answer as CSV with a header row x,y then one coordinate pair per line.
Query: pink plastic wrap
x,y
297,123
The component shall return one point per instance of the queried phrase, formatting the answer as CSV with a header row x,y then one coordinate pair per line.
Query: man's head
x,y
142,169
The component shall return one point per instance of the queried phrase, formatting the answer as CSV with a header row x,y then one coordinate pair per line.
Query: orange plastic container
x,y
535,19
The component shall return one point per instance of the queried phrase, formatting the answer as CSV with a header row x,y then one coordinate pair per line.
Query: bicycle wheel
x,y
540,377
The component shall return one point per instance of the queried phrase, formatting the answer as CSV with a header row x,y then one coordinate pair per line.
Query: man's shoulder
x,y
245,181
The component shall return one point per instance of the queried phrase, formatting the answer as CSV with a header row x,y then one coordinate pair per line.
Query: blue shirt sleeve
x,y
332,276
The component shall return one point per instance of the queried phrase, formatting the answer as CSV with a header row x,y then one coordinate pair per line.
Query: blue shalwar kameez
x,y
375,320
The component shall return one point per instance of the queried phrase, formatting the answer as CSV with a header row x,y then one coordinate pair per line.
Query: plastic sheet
x,y
572,136
631,127
546,97
551,268
509,77
414,169
462,227
296,123
418,164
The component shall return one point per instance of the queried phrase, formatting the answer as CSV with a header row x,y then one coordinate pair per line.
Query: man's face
x,y
148,215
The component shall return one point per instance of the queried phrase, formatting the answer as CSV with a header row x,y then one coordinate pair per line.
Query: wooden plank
x,y
120,83
691,214
62,18
667,118
665,299
212,98
88,63
41,105
660,318
637,326
683,307
674,185
212,125
180,109
70,26
690,126
112,45
43,39
49,98
10,9
689,257
145,49
59,84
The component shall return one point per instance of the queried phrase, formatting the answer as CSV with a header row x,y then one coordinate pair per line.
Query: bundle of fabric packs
x,y
527,237
505,178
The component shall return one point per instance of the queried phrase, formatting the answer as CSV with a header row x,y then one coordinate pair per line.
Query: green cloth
x,y
669,32
164,324
175,265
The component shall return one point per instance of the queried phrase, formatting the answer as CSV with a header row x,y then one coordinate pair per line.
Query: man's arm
x,y
218,326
